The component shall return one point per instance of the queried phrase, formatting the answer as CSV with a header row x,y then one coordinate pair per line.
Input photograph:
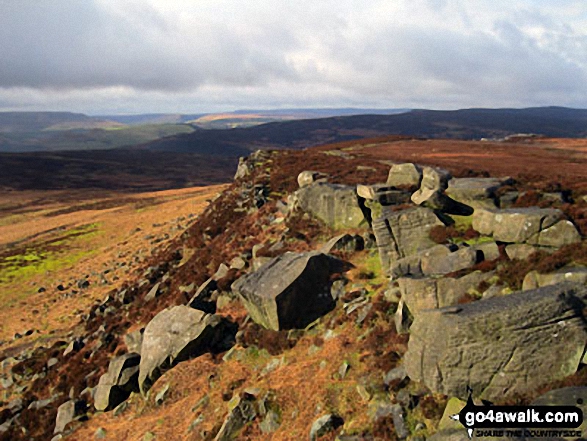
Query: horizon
x,y
286,109
154,56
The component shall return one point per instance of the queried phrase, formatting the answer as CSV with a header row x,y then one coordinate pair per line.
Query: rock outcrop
x,y
502,346
291,290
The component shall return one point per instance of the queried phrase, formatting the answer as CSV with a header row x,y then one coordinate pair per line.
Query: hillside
x,y
358,355
119,169
458,124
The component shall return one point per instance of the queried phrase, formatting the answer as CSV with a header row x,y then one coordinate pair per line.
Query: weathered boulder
x,y
177,334
429,293
335,205
514,224
434,182
500,347
69,411
476,192
116,385
403,233
401,175
308,177
437,260
290,291
534,279
443,264
560,234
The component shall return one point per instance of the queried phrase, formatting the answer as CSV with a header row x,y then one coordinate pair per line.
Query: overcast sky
x,y
136,56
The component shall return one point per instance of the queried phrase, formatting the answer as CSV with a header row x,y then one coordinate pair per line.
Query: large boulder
x,y
516,225
405,175
335,205
177,334
403,233
116,385
290,291
500,347
534,279
476,192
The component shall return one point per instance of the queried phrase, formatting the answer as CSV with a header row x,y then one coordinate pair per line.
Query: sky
x,y
192,56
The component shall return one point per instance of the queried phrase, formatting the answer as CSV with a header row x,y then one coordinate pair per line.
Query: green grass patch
x,y
48,256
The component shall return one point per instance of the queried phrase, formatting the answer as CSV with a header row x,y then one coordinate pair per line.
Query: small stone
x,y
343,369
100,433
160,397
325,424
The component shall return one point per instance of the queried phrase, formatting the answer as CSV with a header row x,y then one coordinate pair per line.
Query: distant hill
x,y
35,121
151,118
458,124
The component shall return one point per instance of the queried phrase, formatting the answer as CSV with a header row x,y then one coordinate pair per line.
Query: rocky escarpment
x,y
295,274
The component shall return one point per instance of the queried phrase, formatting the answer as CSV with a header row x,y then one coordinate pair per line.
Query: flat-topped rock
x,y
478,192
515,225
500,347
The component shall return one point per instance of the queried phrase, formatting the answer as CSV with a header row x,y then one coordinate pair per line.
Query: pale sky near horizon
x,y
142,56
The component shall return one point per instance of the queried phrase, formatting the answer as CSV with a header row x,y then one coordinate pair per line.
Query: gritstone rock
x,y
335,205
534,279
401,175
515,225
177,334
403,233
290,291
502,346
116,385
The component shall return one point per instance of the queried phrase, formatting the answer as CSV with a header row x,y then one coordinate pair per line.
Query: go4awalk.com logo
x,y
517,421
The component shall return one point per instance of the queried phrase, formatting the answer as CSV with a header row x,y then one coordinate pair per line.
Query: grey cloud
x,y
73,44
265,53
